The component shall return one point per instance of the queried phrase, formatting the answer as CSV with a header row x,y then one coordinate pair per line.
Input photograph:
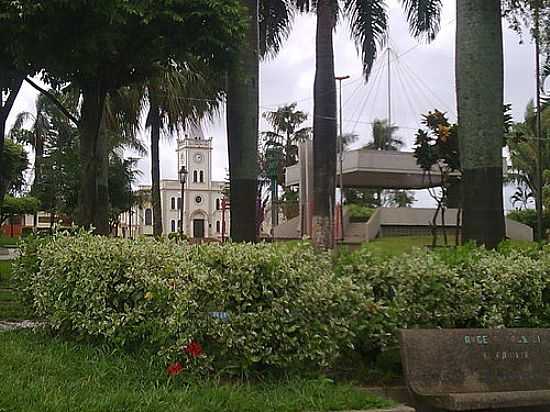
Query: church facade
x,y
203,205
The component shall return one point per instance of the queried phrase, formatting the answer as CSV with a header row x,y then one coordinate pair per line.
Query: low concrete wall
x,y
289,230
373,226
401,221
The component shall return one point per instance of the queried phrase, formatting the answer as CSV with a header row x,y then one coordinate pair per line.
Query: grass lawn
x,y
10,309
394,246
41,373
8,241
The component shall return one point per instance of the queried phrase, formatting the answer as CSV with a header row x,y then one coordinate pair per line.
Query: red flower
x,y
193,349
174,369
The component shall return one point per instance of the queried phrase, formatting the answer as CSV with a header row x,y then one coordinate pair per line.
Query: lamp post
x,y
133,162
341,149
183,178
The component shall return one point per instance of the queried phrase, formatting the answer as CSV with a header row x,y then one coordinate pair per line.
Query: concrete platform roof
x,y
378,169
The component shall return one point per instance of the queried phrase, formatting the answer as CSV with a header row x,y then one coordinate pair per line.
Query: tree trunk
x,y
479,77
101,219
92,154
13,85
324,131
38,157
242,133
154,118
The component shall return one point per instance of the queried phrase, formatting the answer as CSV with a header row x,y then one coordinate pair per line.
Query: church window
x,y
148,217
217,204
202,176
194,176
217,226
173,226
179,203
173,203
198,200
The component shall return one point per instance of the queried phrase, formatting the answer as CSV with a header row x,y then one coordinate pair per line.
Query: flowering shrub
x,y
233,306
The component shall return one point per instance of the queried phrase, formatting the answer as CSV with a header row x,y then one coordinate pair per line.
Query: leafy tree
x,y
523,149
56,142
100,57
368,22
437,148
17,206
11,81
15,163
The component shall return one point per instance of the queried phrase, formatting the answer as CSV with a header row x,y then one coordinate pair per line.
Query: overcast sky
x,y
422,75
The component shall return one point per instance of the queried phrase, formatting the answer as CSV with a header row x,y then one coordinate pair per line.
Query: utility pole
x,y
389,87
341,159
540,230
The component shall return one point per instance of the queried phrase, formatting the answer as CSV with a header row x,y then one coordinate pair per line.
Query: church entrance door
x,y
198,228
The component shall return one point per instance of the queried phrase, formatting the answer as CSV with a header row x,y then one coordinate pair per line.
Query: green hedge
x,y
456,288
249,306
358,213
272,305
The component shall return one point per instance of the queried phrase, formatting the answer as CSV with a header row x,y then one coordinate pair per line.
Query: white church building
x,y
203,212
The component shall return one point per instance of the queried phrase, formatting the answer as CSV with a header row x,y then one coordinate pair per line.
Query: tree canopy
x,y
116,42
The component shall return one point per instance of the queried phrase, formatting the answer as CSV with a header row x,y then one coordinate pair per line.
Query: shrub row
x,y
248,306
270,305
466,287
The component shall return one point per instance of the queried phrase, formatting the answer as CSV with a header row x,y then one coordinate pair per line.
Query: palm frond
x,y
424,17
186,94
369,23
275,23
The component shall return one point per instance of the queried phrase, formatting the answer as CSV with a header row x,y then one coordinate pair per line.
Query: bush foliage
x,y
250,307
358,213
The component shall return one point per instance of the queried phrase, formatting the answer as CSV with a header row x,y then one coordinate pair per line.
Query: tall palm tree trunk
x,y
92,160
324,130
479,77
155,124
242,132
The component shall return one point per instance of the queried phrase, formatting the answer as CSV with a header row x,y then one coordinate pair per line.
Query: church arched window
x,y
148,217
201,176
173,203
217,226
173,226
217,204
194,176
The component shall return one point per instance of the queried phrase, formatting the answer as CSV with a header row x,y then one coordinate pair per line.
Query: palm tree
x,y
287,133
479,84
37,135
177,97
383,137
268,25
368,21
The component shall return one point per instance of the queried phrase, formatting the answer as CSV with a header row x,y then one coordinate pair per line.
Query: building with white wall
x,y
202,200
